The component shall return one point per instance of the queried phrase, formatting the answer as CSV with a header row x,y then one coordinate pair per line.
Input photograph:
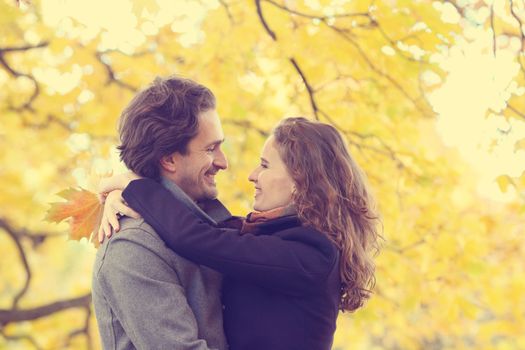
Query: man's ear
x,y
169,163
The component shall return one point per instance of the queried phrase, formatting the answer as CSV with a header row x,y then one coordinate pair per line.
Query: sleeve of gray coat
x,y
146,296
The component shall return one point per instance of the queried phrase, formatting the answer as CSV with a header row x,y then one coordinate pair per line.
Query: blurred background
x,y
429,95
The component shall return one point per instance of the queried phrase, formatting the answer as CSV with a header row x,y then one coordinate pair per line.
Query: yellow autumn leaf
x,y
82,208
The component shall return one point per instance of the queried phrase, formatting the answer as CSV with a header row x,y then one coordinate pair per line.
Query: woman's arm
x,y
114,208
110,190
298,264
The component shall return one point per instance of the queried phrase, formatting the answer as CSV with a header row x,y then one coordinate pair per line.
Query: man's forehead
x,y
210,128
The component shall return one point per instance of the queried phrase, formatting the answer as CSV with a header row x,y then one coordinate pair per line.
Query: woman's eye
x,y
264,166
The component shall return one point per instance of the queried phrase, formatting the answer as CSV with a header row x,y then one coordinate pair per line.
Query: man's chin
x,y
211,193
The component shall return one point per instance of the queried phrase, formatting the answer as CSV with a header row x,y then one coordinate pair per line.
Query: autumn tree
x,y
449,275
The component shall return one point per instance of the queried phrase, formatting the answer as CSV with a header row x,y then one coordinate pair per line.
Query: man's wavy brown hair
x,y
332,196
160,120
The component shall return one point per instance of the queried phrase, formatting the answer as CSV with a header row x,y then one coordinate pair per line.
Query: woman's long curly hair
x,y
332,196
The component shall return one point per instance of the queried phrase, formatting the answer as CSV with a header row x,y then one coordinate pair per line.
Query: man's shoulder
x,y
132,227
138,241
134,232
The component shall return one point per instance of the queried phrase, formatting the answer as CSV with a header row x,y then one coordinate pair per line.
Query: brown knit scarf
x,y
257,217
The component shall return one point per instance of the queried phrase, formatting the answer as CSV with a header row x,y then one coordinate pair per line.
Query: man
x,y
146,296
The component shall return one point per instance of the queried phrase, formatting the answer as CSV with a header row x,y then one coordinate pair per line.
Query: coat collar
x,y
211,211
278,224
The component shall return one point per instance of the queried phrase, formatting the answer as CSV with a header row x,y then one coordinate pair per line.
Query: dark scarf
x,y
253,220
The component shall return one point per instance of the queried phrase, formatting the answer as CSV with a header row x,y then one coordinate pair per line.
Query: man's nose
x,y
220,160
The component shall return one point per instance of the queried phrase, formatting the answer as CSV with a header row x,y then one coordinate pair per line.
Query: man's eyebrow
x,y
264,160
214,143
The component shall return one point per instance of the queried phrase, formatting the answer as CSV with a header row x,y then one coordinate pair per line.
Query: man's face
x,y
195,171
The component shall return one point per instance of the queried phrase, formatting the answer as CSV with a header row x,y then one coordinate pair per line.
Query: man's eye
x,y
209,150
264,166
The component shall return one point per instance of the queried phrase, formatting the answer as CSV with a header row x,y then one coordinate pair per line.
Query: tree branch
x,y
20,337
50,119
387,151
522,35
292,60
377,70
111,74
458,8
16,239
270,32
394,45
36,238
512,108
23,48
347,37
313,103
84,330
227,9
351,135
246,124
322,18
16,74
19,315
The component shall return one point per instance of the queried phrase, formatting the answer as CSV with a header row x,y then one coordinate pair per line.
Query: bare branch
x,y
520,24
322,18
394,45
247,125
519,113
377,70
50,119
263,21
292,60
36,238
458,8
227,9
19,315
23,48
352,135
84,330
17,235
20,337
111,75
522,35
313,103
16,239
16,74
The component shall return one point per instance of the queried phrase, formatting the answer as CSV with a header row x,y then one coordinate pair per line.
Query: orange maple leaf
x,y
84,209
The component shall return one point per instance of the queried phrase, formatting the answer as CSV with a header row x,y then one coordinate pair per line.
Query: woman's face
x,y
273,184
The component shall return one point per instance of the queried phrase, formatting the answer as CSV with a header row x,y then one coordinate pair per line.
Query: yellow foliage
x,y
450,273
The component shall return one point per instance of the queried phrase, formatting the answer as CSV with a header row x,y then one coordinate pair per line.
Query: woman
x,y
303,255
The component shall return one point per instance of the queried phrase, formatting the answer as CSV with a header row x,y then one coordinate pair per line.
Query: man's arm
x,y
145,294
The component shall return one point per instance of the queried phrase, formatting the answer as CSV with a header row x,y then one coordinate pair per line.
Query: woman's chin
x,y
257,206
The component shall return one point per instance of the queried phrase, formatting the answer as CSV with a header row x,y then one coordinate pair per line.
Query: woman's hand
x,y
117,182
114,207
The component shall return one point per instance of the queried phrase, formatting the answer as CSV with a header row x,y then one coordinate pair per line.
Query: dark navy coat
x,y
281,287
